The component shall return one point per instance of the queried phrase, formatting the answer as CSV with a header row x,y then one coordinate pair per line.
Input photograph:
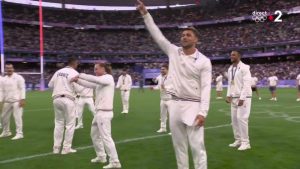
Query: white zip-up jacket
x,y
161,81
61,82
13,88
104,87
241,85
190,75
124,82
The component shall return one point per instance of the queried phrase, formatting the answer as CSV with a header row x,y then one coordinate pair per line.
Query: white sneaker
x,y
161,130
218,98
275,99
5,134
235,144
126,111
78,127
17,137
244,146
68,151
298,100
272,99
122,112
99,160
170,134
113,165
259,98
56,150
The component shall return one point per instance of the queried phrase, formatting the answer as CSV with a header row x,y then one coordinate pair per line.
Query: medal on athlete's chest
x,y
233,73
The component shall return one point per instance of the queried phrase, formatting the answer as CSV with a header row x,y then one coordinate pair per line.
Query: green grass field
x,y
274,134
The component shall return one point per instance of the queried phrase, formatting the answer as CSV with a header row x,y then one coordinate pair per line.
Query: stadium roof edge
x,y
114,5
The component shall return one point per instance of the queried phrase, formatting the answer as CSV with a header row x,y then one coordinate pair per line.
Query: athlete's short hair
x,y
72,60
193,29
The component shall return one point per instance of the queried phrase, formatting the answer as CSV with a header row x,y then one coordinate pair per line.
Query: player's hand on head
x,y
141,7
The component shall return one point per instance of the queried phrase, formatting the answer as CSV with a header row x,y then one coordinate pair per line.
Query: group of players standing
x,y
185,86
272,83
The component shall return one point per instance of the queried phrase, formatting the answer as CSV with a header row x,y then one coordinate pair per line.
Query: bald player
x,y
239,95
64,94
190,75
164,97
13,98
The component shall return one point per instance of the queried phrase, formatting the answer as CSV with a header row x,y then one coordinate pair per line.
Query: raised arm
x,y
95,79
206,77
156,34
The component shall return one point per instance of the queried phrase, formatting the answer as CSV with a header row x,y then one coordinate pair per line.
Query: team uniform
x,y
272,85
219,83
239,88
101,126
164,102
124,84
64,95
12,91
254,81
189,83
84,97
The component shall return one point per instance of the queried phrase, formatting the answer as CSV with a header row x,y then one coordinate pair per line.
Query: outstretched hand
x,y
141,7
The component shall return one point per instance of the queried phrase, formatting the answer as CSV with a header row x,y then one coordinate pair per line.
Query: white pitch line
x,y
88,147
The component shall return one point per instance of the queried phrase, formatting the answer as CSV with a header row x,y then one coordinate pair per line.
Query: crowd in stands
x,y
212,38
200,12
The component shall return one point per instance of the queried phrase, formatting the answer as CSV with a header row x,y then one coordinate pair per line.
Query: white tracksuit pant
x,y
17,111
101,135
125,99
81,101
239,119
182,114
163,113
65,118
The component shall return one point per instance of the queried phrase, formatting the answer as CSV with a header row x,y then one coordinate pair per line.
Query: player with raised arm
x,y
190,76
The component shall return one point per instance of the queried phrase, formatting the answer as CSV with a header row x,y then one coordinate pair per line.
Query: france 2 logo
x,y
263,16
